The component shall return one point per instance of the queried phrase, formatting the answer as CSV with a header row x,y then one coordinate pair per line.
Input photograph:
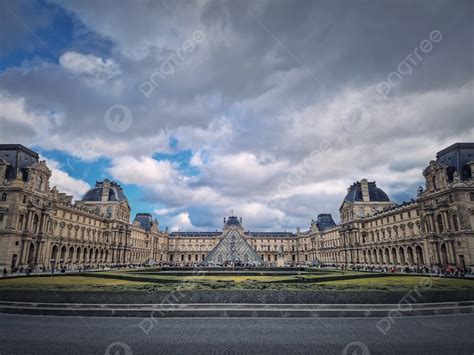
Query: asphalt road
x,y
221,336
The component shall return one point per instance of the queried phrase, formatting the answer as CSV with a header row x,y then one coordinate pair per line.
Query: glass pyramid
x,y
233,248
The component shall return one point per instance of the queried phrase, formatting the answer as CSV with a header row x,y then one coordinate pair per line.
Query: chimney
x,y
105,190
224,221
365,190
240,220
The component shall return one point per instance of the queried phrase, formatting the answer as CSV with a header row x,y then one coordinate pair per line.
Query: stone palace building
x,y
41,228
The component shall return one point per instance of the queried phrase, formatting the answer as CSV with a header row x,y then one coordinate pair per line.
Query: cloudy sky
x,y
267,108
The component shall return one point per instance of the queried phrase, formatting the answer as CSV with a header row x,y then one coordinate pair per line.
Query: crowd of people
x,y
63,269
448,271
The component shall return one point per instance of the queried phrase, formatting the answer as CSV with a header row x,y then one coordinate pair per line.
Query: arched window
x,y
4,196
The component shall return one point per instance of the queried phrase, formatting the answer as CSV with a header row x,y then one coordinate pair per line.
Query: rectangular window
x,y
1,217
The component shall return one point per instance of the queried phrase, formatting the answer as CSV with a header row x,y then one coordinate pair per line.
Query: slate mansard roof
x,y
376,194
145,220
18,158
325,222
457,157
115,193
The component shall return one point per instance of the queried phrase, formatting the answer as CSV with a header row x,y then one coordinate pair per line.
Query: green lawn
x,y
401,282
206,278
92,282
67,283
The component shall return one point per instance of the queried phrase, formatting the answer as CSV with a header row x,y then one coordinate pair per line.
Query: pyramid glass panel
x,y
233,248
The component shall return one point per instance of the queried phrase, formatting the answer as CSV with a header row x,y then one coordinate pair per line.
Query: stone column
x,y
432,223
41,223
28,220
23,251
436,255
447,220
35,257
451,253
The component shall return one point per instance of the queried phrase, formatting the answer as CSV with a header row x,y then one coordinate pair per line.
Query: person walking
x,y
5,272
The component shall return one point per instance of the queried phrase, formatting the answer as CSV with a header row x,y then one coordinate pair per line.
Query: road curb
x,y
237,310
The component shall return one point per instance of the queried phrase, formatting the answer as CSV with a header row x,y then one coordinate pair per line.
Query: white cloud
x,y
89,65
246,106
143,171
181,222
242,170
14,112
64,182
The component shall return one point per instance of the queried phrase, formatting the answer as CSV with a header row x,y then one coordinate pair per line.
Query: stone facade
x,y
42,228
435,229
